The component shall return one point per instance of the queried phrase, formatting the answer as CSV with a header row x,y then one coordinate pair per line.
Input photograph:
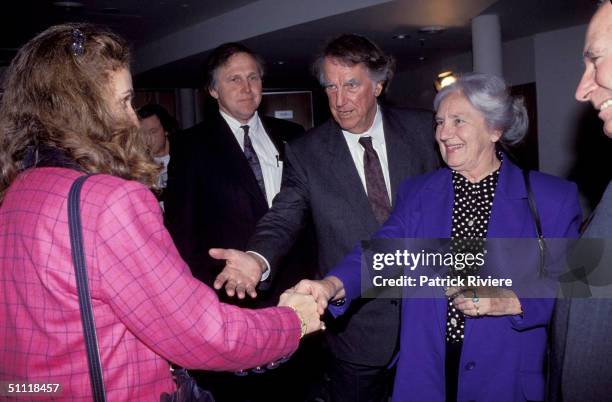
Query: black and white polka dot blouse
x,y
471,215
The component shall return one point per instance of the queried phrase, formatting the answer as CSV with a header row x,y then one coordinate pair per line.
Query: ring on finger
x,y
475,298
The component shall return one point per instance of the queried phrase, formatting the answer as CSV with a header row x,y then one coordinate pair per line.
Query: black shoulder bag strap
x,y
78,259
536,219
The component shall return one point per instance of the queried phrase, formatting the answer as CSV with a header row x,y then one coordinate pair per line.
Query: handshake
x,y
309,298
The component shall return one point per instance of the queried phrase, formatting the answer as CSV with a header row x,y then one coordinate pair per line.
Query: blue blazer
x,y
503,357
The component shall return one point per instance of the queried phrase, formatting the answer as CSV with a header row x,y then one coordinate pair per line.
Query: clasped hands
x,y
309,298
480,301
313,297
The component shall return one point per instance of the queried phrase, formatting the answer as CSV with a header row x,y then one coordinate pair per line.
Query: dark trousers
x,y
350,382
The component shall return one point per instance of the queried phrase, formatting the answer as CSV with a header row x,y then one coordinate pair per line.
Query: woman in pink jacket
x,y
67,111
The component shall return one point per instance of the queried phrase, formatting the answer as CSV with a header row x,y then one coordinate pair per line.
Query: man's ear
x,y
213,92
379,87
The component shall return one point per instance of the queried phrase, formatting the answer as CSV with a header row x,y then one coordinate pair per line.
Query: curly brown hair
x,y
58,97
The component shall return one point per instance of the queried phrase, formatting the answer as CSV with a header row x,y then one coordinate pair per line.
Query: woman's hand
x,y
480,301
324,290
306,309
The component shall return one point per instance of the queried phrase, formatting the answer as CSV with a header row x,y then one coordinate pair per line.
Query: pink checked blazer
x,y
147,306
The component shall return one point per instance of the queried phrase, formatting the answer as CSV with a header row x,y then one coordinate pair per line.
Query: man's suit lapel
x,y
399,148
400,152
240,168
276,139
344,173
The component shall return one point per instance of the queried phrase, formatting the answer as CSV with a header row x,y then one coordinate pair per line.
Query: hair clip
x,y
78,43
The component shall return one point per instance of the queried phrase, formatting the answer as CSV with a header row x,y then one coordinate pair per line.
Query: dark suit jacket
x,y
320,180
212,198
581,359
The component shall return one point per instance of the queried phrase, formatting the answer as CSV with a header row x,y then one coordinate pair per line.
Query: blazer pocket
x,y
533,385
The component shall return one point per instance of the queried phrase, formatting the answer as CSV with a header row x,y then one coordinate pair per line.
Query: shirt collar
x,y
235,125
375,131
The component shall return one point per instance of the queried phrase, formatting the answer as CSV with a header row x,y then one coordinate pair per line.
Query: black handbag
x,y
187,389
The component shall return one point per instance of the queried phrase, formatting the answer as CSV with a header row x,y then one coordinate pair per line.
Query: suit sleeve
x,y
151,290
278,229
564,224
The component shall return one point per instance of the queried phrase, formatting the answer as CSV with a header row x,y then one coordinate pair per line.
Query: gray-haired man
x,y
344,174
581,361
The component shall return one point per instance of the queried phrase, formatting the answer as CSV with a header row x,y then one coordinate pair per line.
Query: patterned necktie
x,y
253,160
375,181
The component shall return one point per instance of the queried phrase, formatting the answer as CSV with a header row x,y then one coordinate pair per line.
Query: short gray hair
x,y
490,96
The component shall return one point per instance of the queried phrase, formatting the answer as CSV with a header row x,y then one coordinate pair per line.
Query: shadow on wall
x,y
592,168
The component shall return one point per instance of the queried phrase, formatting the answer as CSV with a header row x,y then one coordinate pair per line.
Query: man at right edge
x,y
581,358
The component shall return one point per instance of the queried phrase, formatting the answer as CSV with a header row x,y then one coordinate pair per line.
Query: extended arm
x,y
151,290
274,235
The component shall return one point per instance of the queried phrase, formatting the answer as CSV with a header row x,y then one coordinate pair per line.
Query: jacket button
x,y
470,366
338,303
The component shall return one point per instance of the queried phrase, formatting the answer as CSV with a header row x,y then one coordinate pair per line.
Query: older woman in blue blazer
x,y
469,348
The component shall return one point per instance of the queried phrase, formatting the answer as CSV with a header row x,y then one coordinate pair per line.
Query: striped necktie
x,y
253,160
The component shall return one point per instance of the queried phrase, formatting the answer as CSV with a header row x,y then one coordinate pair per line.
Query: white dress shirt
x,y
162,182
376,131
164,160
271,166
378,142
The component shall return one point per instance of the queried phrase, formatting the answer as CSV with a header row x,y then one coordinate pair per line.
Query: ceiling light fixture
x,y
444,79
